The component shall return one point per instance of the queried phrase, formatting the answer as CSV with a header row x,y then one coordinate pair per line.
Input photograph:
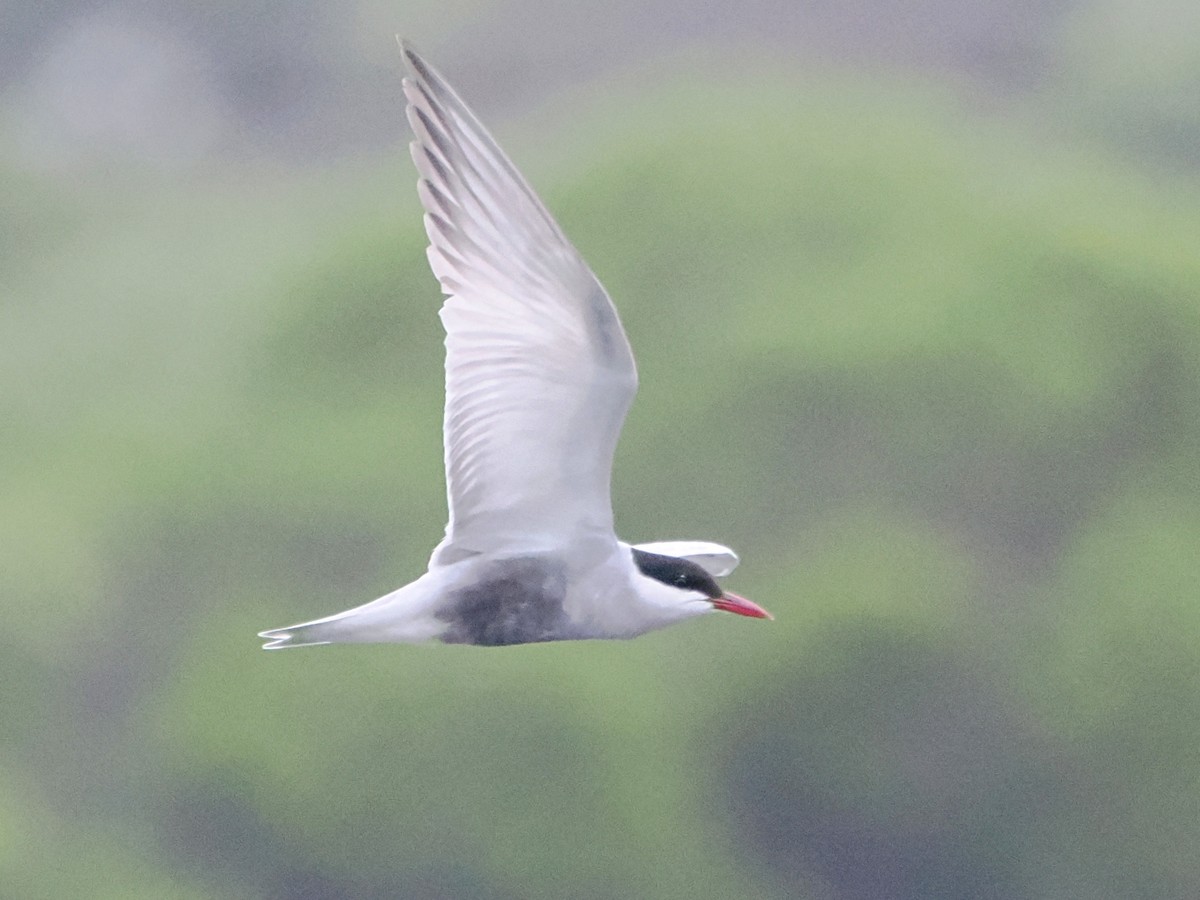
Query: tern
x,y
539,377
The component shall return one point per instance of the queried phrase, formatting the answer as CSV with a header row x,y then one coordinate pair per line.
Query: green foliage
x,y
936,382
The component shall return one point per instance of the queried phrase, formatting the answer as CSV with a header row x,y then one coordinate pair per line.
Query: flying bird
x,y
539,377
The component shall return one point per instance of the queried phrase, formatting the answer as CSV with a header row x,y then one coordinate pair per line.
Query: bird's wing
x,y
715,559
539,374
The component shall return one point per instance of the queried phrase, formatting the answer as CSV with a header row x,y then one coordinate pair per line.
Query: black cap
x,y
678,573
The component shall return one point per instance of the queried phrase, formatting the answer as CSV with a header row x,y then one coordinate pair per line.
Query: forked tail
x,y
308,635
403,616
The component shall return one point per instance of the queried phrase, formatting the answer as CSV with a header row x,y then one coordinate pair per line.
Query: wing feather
x,y
539,374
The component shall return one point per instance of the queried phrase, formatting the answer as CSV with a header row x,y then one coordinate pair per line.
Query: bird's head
x,y
690,586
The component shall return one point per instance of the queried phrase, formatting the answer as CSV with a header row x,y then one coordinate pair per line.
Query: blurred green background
x,y
915,293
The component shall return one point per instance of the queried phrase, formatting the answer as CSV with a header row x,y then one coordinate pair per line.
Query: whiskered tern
x,y
539,377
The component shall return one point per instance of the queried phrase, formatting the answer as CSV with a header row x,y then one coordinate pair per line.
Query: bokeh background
x,y
915,292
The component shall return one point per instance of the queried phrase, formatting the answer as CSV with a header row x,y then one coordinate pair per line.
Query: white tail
x,y
295,636
403,616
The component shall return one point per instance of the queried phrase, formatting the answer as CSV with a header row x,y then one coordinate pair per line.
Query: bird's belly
x,y
513,600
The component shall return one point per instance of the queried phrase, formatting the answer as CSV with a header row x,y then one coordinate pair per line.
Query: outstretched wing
x,y
539,374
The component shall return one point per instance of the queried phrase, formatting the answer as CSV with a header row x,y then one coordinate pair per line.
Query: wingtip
x,y
413,62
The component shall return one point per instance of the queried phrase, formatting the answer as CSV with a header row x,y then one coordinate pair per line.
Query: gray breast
x,y
514,601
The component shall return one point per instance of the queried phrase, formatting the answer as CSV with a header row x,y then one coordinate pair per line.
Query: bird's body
x,y
539,377
564,593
